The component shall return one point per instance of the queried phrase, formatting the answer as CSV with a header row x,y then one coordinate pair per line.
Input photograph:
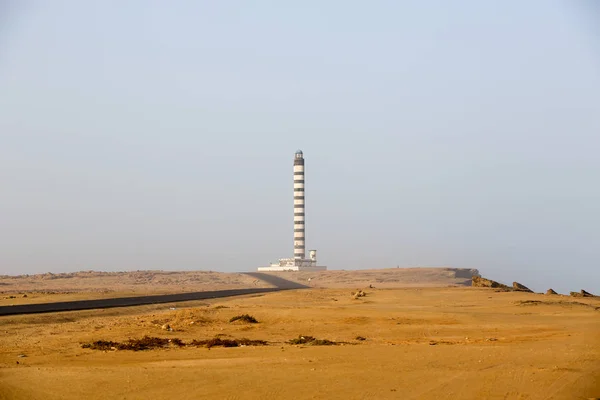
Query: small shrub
x,y
301,340
100,345
312,341
218,342
244,318
177,342
148,343
145,343
323,342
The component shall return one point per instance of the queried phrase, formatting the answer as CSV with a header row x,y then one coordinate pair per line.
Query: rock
x,y
477,281
521,288
465,273
581,293
24,295
550,291
166,327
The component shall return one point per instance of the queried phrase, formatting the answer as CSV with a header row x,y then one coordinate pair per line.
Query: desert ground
x,y
383,278
394,343
85,285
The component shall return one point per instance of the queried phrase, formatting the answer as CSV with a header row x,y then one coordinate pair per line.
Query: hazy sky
x,y
161,135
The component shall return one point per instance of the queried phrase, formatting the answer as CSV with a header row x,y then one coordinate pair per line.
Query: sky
x,y
160,135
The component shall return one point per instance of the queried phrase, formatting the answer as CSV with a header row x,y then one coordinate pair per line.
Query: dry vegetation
x,y
244,318
421,343
151,343
312,341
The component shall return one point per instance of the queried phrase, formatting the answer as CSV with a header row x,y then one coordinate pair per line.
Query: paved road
x,y
279,283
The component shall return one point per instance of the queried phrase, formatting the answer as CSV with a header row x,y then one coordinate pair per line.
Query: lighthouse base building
x,y
299,262
293,264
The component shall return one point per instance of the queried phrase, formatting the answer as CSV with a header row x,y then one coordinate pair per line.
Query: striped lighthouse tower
x,y
299,238
299,262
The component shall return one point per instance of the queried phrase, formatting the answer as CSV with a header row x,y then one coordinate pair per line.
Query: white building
x,y
299,262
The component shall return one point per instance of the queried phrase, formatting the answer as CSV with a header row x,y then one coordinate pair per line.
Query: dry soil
x,y
421,343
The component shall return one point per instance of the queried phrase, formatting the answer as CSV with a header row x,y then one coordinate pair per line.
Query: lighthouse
x,y
299,222
298,262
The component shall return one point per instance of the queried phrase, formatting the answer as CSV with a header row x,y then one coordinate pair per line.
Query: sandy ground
x,y
383,278
44,288
425,343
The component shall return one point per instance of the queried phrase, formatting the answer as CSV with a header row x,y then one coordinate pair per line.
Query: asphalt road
x,y
279,283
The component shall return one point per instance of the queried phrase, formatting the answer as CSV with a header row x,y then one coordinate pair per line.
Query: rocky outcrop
x,y
550,291
582,293
521,288
478,281
465,273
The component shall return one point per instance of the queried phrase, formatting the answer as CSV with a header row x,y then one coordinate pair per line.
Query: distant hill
x,y
163,282
133,282
383,278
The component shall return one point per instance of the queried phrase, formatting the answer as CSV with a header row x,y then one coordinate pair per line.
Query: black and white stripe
x,y
299,239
